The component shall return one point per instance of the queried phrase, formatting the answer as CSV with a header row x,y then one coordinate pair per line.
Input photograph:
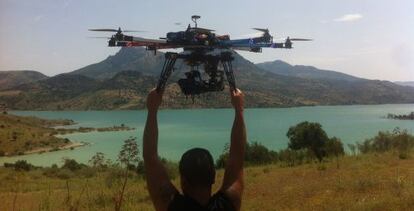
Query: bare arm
x,y
159,185
233,176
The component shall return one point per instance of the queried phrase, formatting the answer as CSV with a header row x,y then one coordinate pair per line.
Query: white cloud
x,y
349,18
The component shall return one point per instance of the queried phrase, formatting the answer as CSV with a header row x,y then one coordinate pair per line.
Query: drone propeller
x,y
103,30
292,39
288,41
100,37
266,37
262,30
299,39
115,30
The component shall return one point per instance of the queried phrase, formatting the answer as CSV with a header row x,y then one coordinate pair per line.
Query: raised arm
x,y
233,176
159,185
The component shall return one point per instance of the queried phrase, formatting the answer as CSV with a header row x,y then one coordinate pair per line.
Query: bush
x,y
8,165
386,141
255,154
51,172
87,172
72,165
64,174
292,157
22,165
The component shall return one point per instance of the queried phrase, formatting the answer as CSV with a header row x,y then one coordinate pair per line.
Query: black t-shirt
x,y
218,202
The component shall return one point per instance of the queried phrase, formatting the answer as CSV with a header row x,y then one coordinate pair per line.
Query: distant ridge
x,y
10,79
302,71
405,83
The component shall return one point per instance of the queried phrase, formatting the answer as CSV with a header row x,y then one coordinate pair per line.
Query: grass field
x,y
365,182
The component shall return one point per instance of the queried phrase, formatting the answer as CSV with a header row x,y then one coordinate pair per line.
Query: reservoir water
x,y
181,130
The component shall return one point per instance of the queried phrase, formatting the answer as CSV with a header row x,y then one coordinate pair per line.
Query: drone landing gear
x,y
167,69
226,60
193,83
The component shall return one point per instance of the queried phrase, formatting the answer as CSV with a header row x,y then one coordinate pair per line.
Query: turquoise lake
x,y
181,130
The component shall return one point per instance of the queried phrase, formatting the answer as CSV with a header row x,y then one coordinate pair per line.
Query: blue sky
x,y
367,38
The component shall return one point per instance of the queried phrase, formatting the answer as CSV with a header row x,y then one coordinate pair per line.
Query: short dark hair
x,y
197,167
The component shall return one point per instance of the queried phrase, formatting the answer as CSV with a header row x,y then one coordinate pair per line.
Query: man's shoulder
x,y
221,201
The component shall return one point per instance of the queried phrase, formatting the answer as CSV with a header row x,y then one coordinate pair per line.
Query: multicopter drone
x,y
201,47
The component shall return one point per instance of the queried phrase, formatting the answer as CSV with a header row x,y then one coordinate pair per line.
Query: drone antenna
x,y
194,19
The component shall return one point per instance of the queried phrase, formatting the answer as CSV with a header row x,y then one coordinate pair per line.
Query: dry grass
x,y
366,182
369,182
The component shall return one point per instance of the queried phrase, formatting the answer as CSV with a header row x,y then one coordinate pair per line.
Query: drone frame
x,y
197,58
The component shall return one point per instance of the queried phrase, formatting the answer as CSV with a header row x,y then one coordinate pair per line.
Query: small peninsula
x,y
409,116
20,135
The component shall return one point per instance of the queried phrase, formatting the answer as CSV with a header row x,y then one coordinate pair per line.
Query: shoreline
x,y
41,150
214,108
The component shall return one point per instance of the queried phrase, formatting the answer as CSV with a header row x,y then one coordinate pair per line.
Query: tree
x,y
128,156
98,160
334,147
308,135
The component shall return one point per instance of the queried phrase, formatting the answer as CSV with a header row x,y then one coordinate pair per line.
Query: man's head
x,y
197,169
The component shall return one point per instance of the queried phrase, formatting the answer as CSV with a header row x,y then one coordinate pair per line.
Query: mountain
x,y
44,94
405,83
301,71
123,80
10,79
127,59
